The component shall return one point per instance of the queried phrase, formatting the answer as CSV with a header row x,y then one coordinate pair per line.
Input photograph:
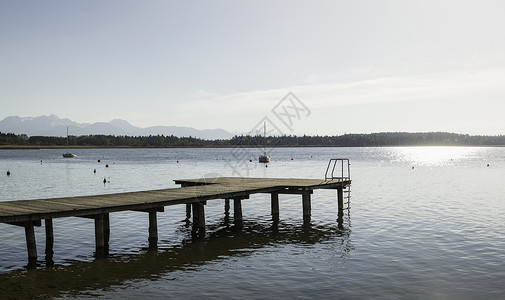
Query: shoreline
x,y
15,147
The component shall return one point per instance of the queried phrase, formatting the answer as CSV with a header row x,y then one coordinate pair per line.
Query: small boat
x,y
264,158
68,154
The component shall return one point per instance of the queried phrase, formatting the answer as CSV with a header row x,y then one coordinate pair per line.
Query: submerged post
x,y
237,210
99,236
198,219
31,245
274,199
306,207
340,199
153,229
106,233
48,224
201,217
226,207
188,211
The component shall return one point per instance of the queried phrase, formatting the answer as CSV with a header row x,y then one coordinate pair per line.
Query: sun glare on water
x,y
433,155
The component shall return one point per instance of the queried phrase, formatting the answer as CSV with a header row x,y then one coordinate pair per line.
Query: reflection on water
x,y
432,156
222,242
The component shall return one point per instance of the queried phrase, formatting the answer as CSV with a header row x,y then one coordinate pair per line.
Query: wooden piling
x,y
194,207
99,236
227,207
340,199
201,216
153,229
188,211
106,233
48,224
237,210
274,200
31,245
306,206
198,219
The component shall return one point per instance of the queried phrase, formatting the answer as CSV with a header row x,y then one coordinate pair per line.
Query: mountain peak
x,y
52,125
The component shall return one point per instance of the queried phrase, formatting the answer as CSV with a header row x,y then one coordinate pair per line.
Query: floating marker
x,y
107,165
8,173
94,170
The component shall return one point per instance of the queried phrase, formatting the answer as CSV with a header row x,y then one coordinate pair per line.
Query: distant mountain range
x,y
54,126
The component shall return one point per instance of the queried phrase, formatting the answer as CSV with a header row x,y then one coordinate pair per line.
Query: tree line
x,y
345,140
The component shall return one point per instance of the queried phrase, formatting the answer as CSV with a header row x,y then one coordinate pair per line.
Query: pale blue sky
x,y
358,66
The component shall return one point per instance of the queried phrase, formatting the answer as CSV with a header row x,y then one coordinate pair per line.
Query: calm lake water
x,y
424,223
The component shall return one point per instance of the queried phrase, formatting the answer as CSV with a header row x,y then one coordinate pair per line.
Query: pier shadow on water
x,y
223,240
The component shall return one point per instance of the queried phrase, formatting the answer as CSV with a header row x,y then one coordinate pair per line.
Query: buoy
x,y
291,158
412,168
8,173
107,165
250,160
177,161
98,160
488,165
266,166
94,170
104,180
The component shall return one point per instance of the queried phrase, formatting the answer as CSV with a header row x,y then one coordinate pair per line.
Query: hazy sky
x,y
354,66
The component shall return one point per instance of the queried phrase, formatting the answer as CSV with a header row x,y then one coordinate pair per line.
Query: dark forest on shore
x,y
346,140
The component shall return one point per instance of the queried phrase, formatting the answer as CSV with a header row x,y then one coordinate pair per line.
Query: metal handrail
x,y
333,164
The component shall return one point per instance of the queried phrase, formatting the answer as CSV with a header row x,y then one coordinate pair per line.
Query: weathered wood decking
x,y
194,193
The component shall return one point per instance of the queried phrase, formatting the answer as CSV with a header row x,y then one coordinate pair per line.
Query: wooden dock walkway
x,y
193,192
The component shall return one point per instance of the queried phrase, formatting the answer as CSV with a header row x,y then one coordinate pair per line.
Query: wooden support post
x,y
201,216
227,207
340,200
274,199
153,230
195,217
99,236
188,211
237,211
48,224
226,212
106,233
306,207
198,219
31,245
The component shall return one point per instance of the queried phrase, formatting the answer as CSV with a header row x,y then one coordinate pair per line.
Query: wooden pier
x,y
193,192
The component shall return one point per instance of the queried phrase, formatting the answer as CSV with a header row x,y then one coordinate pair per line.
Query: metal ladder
x,y
347,196
340,169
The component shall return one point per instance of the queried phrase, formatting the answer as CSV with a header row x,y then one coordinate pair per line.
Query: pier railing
x,y
338,168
